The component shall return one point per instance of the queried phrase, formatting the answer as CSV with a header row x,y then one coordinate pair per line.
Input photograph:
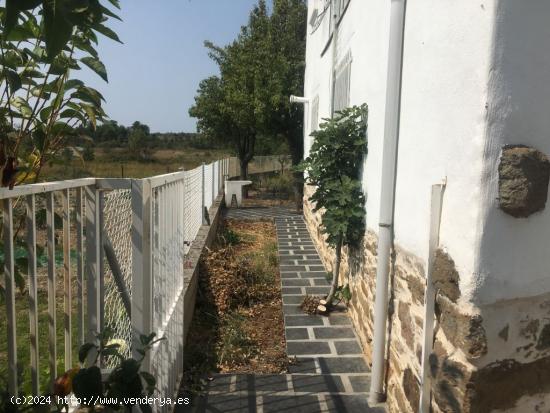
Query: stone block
x,y
524,174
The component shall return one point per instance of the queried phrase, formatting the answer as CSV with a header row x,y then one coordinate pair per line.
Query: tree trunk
x,y
336,272
244,176
244,170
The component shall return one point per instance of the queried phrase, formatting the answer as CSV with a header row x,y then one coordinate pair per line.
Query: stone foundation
x,y
489,359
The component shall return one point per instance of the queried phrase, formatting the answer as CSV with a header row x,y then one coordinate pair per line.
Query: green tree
x,y
333,168
139,141
287,49
67,156
88,154
41,105
248,104
231,106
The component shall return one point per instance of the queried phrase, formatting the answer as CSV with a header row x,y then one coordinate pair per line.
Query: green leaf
x,y
20,33
346,293
57,28
22,263
45,114
88,94
130,367
32,73
11,59
145,340
19,281
62,129
90,112
21,104
97,66
13,80
38,54
12,16
109,13
73,84
71,113
62,63
115,3
105,31
84,350
87,384
86,46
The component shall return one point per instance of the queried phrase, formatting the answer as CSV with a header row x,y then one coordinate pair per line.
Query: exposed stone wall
x,y
406,309
493,358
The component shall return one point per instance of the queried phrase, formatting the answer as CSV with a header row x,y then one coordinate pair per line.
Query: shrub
x,y
281,184
88,154
333,168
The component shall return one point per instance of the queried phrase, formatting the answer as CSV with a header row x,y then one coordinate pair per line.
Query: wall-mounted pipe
x,y
387,197
334,57
299,99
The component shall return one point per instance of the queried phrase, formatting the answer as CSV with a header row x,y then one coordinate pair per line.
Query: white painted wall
x,y
514,258
443,125
476,76
443,116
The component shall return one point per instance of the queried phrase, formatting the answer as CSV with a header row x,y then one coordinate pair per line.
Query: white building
x,y
475,87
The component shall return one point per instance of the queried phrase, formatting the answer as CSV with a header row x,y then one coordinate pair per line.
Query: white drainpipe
x,y
298,99
387,197
334,56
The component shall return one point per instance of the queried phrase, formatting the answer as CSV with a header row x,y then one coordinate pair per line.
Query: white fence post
x,y
203,205
142,273
33,293
101,253
213,181
92,263
9,279
220,178
67,293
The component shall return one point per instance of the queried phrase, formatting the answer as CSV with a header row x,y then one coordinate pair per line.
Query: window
x,y
336,10
342,83
341,6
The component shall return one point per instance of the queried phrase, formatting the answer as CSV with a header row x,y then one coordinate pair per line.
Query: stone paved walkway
x,y
330,373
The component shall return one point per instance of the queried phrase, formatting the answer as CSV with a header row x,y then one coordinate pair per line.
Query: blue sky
x,y
154,75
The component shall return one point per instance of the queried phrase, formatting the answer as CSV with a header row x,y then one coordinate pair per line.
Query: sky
x,y
154,75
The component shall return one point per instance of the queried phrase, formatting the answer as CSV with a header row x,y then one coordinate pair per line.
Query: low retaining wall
x,y
204,239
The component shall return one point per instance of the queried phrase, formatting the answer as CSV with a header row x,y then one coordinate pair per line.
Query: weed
x,y
235,347
281,184
229,237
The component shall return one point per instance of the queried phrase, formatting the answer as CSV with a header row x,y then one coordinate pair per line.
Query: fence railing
x,y
98,253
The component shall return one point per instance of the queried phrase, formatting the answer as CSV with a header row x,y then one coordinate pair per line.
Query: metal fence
x,y
122,247
123,244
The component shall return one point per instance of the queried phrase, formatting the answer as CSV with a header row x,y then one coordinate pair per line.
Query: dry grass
x,y
112,164
238,323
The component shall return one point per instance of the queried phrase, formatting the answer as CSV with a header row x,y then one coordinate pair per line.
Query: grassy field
x,y
23,340
114,163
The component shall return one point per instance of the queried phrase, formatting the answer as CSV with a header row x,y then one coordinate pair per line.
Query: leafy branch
x,y
333,168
